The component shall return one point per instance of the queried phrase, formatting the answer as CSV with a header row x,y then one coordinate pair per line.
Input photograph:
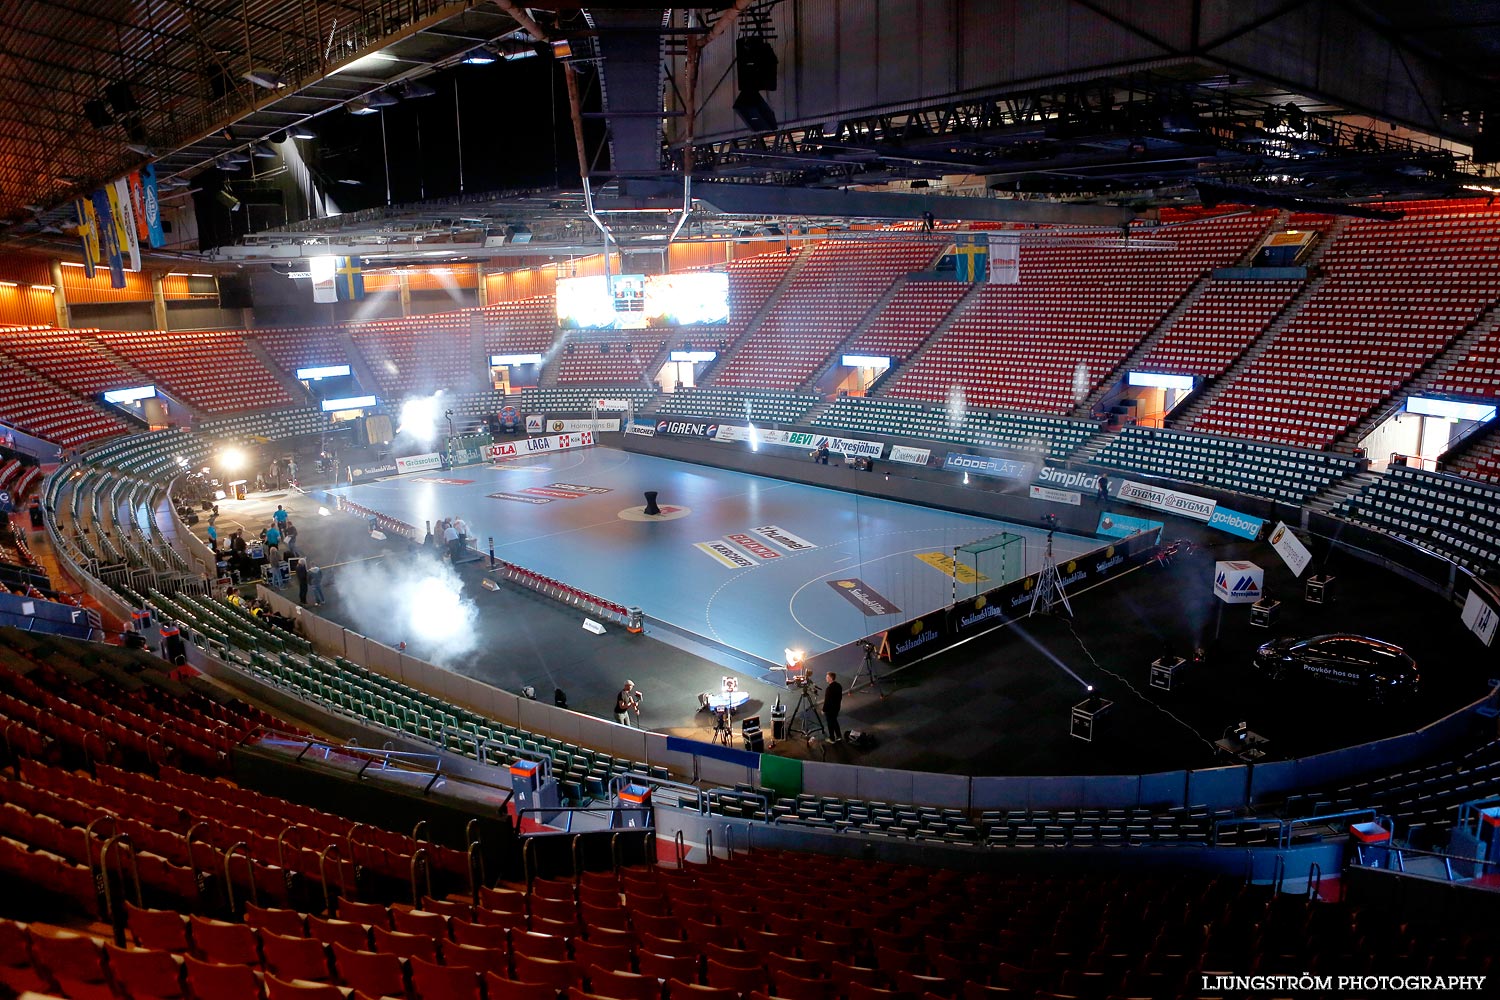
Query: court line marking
x,y
348,562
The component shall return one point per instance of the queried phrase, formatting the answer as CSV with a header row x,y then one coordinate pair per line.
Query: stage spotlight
x,y
231,460
419,417
323,512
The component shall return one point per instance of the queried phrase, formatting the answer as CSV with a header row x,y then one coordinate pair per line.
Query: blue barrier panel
x,y
1165,788
998,792
1217,787
712,751
1105,791
1055,792
1275,777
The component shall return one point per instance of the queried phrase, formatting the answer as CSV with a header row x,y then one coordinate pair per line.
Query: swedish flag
x,y
349,280
971,258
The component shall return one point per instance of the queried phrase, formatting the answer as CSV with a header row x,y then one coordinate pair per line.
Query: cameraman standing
x,y
833,700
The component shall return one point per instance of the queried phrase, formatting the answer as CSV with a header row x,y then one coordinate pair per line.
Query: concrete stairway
x,y
890,377
287,380
357,363
803,255
859,328
1335,493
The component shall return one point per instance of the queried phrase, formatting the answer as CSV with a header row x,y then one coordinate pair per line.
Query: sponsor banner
x,y
612,405
1235,523
1113,525
1068,479
119,204
518,497
913,640
910,456
463,455
686,428
864,597
754,546
441,481
1480,617
1290,548
536,423
641,429
976,615
575,488
1238,582
88,235
419,463
1056,496
109,240
944,563
725,554
1183,504
784,539
536,445
547,491
989,465
370,472
805,440
557,426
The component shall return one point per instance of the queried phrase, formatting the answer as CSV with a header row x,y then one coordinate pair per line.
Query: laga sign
x,y
557,442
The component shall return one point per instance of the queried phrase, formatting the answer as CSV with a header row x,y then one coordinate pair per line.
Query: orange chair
x,y
735,958
534,945
433,925
782,965
16,970
163,929
622,985
679,990
404,945
615,957
728,977
496,960
499,988
296,958
561,910
275,920
75,962
444,982
502,900
614,917
224,943
448,907
145,973
792,987
667,967
480,935
547,888
839,972
370,973
859,991
559,974
375,914
667,927
345,932
222,982
700,932
284,989
911,982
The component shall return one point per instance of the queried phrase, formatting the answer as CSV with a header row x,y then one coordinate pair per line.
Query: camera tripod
x,y
806,706
866,673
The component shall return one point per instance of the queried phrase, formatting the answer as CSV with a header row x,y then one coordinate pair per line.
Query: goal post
x,y
988,563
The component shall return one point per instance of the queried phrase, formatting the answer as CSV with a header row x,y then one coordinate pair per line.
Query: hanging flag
x,y
1005,259
971,255
138,207
88,235
351,280
151,198
109,238
324,284
119,204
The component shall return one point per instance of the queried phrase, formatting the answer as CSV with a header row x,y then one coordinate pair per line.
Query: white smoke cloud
x,y
417,600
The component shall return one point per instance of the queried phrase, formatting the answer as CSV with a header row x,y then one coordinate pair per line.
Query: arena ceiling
x,y
90,89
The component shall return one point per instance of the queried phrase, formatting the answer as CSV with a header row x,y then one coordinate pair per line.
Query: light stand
x,y
1049,586
866,672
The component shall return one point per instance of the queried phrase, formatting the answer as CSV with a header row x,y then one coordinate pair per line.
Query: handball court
x,y
996,705
752,565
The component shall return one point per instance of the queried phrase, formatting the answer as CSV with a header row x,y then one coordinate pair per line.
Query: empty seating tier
x,y
1056,437
419,354
1452,516
908,318
1045,343
1217,327
602,357
759,407
819,309
210,369
41,408
69,358
1263,470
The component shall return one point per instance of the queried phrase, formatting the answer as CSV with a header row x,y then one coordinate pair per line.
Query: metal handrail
x,y
117,919
323,877
619,781
528,848
720,794
569,810
1314,880
677,841
420,864
229,877
708,837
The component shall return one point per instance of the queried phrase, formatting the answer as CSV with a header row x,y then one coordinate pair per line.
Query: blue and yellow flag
x,y
349,280
971,258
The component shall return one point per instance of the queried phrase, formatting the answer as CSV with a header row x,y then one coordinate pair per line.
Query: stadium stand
x,y
1217,327
1450,515
606,357
417,355
209,369
1077,312
901,325
295,347
821,306
761,407
1397,294
1264,470
522,326
41,408
70,360
578,400
1057,437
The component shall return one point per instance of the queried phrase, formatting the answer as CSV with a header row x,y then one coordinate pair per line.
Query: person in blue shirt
x,y
280,517
273,554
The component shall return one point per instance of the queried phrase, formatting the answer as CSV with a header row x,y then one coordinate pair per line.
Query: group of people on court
x,y
628,705
450,536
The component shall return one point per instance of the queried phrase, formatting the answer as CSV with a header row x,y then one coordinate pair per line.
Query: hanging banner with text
x,y
1290,548
538,445
1184,504
419,463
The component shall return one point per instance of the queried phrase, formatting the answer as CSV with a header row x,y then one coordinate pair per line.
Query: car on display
x,y
1382,671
